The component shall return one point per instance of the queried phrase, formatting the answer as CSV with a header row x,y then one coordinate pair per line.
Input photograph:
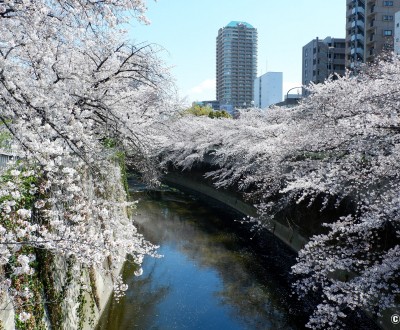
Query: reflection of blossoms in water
x,y
138,272
119,288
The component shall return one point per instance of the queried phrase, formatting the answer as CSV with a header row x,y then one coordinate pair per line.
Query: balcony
x,y
357,10
358,23
358,36
358,51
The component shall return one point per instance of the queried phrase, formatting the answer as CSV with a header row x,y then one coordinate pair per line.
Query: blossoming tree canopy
x,y
74,93
340,143
74,96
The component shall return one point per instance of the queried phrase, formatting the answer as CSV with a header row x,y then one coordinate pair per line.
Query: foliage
x,y
199,110
342,142
219,114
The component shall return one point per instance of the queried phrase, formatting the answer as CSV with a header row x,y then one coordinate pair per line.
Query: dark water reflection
x,y
209,277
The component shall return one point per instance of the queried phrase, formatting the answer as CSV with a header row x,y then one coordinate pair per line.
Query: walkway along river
x,y
214,274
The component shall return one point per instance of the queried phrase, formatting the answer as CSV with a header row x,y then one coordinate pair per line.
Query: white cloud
x,y
203,91
204,86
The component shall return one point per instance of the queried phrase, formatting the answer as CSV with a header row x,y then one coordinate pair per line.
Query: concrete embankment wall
x,y
197,185
186,181
72,296
74,317
86,297
98,290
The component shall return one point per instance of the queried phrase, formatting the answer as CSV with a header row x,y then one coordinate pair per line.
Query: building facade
x,y
268,89
370,28
397,33
322,58
236,65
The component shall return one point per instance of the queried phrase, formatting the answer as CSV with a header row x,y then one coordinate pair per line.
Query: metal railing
x,y
5,157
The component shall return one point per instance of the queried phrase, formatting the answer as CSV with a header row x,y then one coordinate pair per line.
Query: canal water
x,y
211,275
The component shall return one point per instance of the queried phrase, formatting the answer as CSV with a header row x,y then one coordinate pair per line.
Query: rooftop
x,y
236,23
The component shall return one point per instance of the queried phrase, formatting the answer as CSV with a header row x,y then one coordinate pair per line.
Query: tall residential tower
x,y
236,65
369,29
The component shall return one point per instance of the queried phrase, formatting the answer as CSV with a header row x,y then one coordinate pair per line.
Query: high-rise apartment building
x,y
236,65
321,58
369,29
397,33
268,89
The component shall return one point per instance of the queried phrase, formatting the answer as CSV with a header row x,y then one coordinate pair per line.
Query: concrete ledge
x,y
185,181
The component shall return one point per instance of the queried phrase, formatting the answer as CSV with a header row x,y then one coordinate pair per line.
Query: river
x,y
211,276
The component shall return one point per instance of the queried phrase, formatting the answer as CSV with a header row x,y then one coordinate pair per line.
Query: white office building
x,y
268,89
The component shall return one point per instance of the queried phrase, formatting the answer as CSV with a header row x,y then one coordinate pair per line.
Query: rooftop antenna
x,y
266,65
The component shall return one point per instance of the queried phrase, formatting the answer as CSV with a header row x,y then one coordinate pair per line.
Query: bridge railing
x,y
5,157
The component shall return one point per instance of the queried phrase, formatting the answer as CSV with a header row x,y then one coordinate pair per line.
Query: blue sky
x,y
187,30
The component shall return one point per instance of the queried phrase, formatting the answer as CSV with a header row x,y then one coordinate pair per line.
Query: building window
x,y
387,33
388,3
387,17
387,46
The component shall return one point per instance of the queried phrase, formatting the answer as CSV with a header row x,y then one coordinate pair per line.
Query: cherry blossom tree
x,y
74,97
340,144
